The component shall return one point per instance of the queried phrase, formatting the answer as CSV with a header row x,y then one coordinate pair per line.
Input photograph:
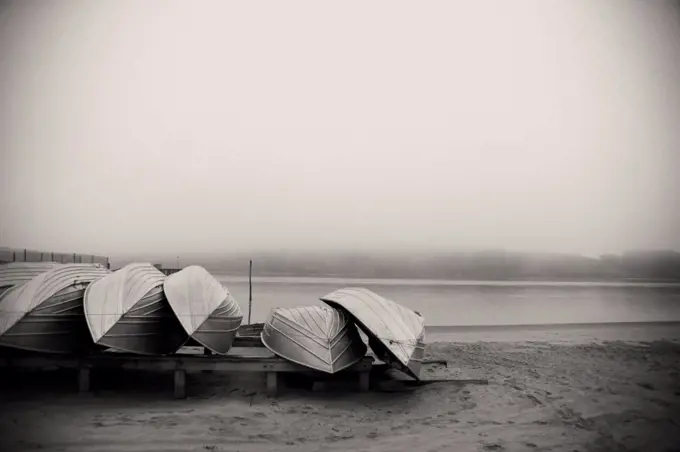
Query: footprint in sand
x,y
534,399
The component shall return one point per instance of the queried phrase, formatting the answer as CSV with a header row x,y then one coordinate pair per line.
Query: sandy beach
x,y
541,396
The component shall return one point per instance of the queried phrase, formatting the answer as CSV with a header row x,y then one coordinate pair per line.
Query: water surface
x,y
476,303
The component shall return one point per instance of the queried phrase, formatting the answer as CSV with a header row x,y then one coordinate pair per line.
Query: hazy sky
x,y
215,126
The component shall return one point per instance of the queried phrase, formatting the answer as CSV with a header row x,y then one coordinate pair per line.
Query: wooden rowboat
x,y
317,337
204,307
46,313
128,311
396,334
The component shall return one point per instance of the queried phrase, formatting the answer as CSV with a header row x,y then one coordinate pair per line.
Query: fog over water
x,y
212,126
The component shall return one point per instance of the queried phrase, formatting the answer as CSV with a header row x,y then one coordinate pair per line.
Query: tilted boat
x,y
127,311
204,307
46,313
396,334
17,273
317,337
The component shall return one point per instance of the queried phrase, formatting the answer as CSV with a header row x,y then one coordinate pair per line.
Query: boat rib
x,y
17,273
204,307
396,334
128,311
317,337
46,313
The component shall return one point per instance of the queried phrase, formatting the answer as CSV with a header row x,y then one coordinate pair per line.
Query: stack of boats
x,y
85,308
80,308
327,338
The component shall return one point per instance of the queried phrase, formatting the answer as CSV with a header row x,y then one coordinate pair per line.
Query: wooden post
x,y
250,290
207,352
83,380
180,383
364,381
272,382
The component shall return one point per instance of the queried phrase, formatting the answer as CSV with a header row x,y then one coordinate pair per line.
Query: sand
x,y
541,396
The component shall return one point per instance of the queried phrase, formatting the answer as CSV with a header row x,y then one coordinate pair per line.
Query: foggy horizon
x,y
245,253
529,126
169,254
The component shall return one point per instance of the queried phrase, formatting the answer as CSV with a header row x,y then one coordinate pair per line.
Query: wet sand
x,y
541,396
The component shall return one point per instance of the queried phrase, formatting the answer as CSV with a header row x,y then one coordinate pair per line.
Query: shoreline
x,y
542,326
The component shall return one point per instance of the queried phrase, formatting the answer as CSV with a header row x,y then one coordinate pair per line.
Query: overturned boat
x,y
127,311
46,313
317,337
204,307
395,333
17,273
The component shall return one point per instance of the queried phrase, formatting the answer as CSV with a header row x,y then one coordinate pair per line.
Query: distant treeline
x,y
483,265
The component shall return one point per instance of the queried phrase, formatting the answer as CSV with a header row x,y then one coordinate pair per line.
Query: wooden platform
x,y
252,357
271,366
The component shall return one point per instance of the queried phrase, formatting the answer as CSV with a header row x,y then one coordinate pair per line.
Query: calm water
x,y
456,310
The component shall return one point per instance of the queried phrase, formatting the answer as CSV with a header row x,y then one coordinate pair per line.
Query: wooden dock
x,y
194,358
180,364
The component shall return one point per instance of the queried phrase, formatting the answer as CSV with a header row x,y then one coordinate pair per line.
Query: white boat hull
x,y
204,307
321,338
396,333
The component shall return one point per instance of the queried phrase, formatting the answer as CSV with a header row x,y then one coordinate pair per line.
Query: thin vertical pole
x,y
250,290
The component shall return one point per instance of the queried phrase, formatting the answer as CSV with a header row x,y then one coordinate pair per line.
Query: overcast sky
x,y
152,126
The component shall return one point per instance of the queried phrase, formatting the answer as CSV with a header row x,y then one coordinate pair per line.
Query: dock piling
x,y
180,384
83,381
272,383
